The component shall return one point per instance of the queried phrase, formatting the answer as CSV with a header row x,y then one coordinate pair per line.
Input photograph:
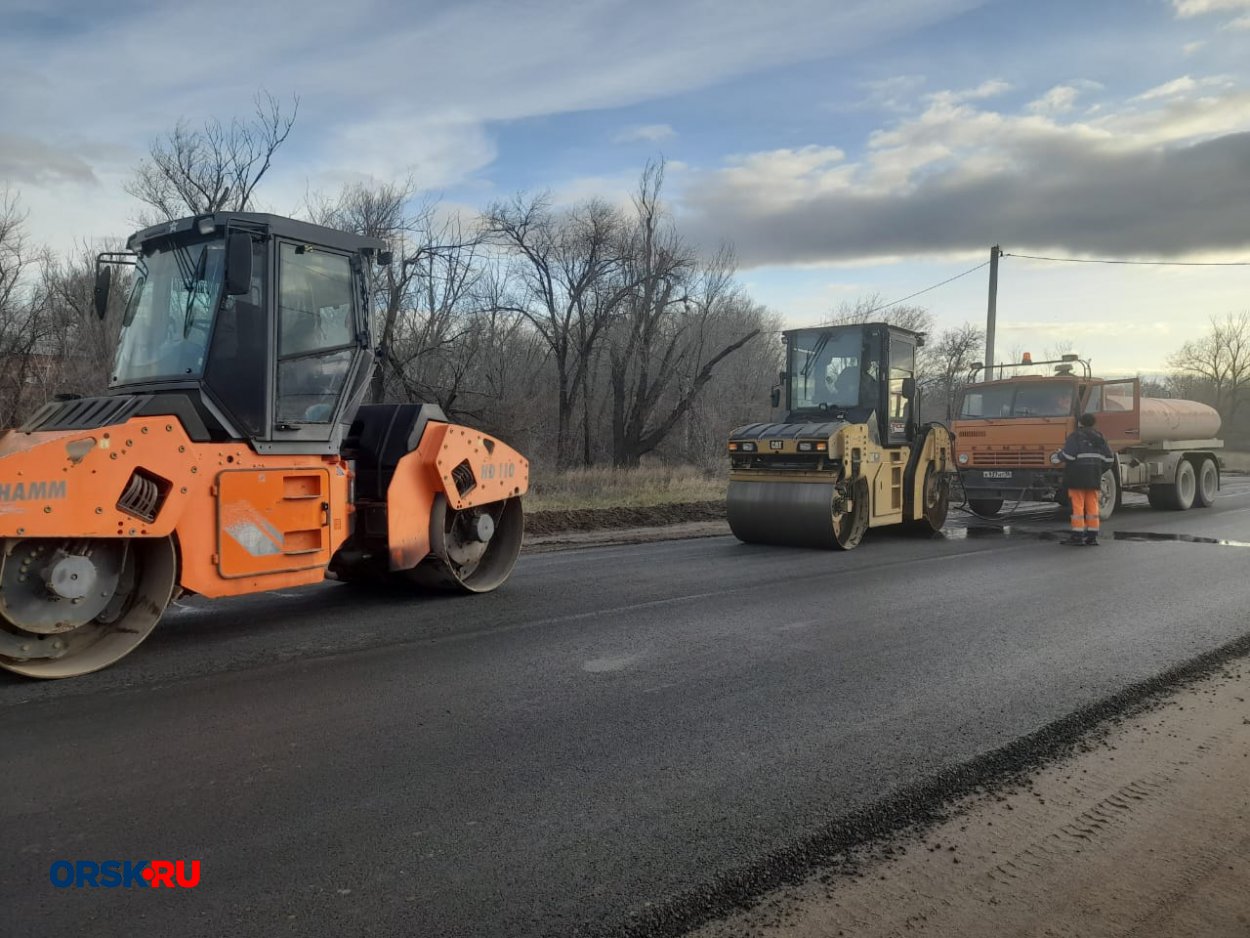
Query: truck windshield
x,y
168,320
1020,399
825,368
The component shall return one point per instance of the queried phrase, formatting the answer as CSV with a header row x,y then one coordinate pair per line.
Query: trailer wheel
x,y
1208,482
1186,486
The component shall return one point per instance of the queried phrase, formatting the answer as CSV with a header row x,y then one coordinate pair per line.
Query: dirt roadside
x,y
1145,834
597,527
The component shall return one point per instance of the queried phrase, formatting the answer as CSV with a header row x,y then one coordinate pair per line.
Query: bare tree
x,y
87,342
215,168
944,368
1221,360
664,345
871,308
29,349
423,298
567,283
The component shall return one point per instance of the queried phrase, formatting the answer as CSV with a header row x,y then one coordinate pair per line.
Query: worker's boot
x,y
1091,540
1075,539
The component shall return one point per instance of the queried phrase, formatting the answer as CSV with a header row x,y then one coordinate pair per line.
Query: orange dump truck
x,y
1006,431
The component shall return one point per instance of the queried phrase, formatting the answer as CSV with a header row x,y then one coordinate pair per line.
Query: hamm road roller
x,y
849,454
231,453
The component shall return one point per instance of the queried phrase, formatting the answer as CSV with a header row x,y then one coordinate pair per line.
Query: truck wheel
x,y
1208,482
1109,493
986,507
1186,486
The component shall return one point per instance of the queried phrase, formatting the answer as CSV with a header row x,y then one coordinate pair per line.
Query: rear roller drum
x,y
472,550
72,606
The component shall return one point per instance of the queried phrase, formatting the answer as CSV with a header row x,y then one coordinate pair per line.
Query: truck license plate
x,y
996,474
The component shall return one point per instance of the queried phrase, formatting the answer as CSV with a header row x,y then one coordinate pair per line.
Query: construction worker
x,y
1085,457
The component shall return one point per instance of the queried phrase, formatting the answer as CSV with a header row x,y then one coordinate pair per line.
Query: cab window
x,y
316,332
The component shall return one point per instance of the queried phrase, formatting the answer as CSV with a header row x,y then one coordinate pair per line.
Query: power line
x,y
1093,260
927,289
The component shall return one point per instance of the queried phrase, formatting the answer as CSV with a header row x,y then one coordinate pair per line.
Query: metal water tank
x,y
1173,419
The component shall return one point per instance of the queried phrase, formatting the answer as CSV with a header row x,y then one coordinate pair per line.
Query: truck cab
x,y
1006,431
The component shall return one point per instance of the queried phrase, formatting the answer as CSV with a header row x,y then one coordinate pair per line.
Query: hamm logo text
x,y
31,491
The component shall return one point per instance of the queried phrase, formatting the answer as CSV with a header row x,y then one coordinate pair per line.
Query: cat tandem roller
x,y
848,455
231,453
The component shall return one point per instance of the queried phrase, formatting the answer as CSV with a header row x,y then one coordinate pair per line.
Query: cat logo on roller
x,y
849,454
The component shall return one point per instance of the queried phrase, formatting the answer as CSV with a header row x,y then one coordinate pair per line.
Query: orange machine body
x,y
242,522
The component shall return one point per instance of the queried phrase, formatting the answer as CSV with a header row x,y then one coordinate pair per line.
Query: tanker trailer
x,y
1175,465
1007,429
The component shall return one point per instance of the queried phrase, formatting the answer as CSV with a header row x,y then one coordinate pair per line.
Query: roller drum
x,y
795,514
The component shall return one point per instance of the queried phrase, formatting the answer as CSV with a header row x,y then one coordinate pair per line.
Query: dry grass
x,y
1236,462
605,487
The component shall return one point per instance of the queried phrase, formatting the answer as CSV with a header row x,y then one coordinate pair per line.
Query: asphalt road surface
x,y
611,728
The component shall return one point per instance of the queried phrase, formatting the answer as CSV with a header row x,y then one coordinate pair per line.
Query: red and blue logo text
x,y
125,874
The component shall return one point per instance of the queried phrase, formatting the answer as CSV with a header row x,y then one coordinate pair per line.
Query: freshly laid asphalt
x,y
612,728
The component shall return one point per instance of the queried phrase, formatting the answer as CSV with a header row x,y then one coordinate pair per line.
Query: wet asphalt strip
x,y
910,811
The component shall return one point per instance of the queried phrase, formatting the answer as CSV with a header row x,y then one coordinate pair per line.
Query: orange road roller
x,y
231,453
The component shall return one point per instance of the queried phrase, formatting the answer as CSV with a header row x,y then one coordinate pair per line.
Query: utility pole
x,y
992,312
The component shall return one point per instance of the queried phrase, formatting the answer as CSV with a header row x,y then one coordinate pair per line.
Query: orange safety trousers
x,y
1084,510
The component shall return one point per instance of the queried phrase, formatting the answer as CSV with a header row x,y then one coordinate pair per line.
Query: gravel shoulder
x,y
1144,833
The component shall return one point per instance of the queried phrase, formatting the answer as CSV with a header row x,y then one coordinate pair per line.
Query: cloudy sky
x,y
844,147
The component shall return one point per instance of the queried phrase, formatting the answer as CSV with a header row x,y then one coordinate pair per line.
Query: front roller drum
x,y
72,606
472,550
798,514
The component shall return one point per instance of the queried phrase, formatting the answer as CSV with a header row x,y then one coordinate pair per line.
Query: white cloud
x,y
987,89
896,93
1242,22
1058,100
1165,178
1075,328
645,133
1178,86
1188,8
377,87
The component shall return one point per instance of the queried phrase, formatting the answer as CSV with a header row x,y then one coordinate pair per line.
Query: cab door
x,y
901,378
1116,405
321,357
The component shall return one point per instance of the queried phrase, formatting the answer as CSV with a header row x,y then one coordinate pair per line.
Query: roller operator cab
x,y
231,453
848,453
